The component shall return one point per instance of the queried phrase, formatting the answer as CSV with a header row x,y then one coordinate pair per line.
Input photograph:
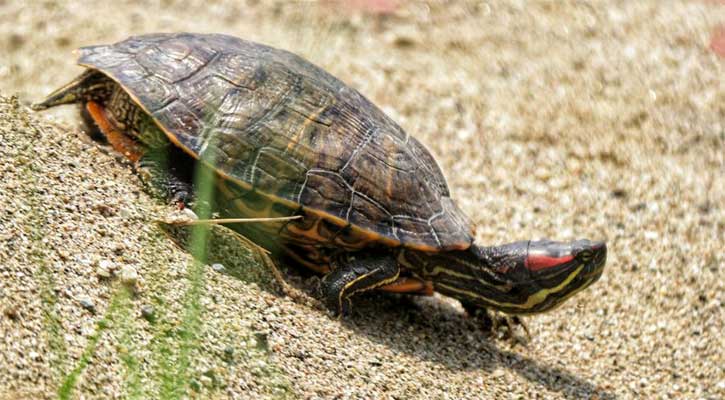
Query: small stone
x,y
87,303
218,267
105,268
12,313
105,210
182,216
259,366
16,41
404,41
189,213
651,235
206,381
228,354
148,312
118,249
128,275
125,213
261,341
402,37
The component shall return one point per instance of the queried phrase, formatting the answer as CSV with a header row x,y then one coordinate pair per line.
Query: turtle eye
x,y
585,255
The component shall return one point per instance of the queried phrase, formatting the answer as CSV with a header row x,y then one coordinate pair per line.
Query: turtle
x,y
284,138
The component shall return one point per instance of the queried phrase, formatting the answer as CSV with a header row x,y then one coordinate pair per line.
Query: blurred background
x,y
558,119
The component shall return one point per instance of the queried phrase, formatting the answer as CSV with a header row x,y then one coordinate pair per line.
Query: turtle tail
x,y
90,85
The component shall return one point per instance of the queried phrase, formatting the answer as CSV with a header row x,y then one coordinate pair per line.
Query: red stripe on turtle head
x,y
538,262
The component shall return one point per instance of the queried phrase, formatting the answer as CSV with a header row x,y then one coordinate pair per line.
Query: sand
x,y
567,119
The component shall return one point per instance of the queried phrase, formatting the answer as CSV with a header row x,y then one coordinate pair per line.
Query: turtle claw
x,y
336,303
342,310
500,324
516,320
510,323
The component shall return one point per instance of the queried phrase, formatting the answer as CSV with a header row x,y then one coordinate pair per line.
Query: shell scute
x,y
364,211
174,61
325,190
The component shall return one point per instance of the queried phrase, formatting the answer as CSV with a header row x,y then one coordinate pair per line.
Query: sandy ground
x,y
558,119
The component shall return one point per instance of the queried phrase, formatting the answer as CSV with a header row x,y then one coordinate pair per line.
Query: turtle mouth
x,y
595,267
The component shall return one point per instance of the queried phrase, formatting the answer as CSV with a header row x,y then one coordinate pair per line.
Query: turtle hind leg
x,y
90,127
120,141
355,273
409,285
91,85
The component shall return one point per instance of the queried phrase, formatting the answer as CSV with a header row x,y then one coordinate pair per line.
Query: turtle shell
x,y
271,121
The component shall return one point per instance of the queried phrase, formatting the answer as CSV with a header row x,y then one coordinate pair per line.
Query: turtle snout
x,y
587,249
595,259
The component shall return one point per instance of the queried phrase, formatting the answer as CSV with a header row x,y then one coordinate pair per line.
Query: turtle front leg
x,y
164,177
492,323
355,273
481,315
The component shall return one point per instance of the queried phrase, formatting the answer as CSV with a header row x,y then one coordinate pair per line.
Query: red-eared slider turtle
x,y
285,138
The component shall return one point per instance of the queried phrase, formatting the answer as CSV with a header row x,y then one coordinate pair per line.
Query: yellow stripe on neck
x,y
531,301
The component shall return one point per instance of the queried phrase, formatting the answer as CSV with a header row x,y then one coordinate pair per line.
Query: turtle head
x,y
527,277
560,269
542,274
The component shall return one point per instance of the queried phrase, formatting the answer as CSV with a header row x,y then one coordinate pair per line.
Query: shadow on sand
x,y
436,332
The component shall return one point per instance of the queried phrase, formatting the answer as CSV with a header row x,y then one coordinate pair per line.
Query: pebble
x,y
148,312
651,235
181,216
206,380
87,303
228,354
218,267
106,268
128,275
